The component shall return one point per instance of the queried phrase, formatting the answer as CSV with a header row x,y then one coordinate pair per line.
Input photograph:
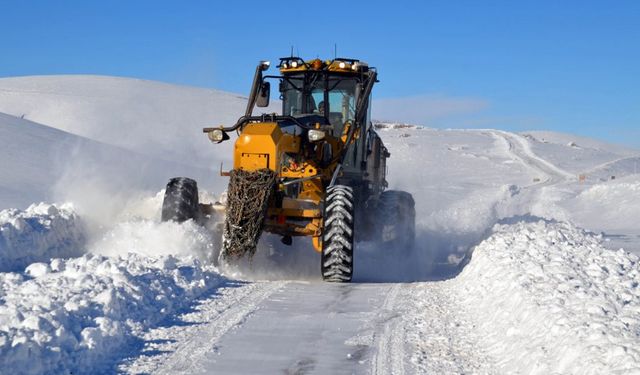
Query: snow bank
x,y
83,315
551,299
476,213
39,233
615,204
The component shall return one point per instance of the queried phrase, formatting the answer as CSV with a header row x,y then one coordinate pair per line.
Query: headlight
x,y
315,135
342,65
217,135
294,64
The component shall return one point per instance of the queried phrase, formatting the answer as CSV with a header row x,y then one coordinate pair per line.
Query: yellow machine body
x,y
260,145
265,145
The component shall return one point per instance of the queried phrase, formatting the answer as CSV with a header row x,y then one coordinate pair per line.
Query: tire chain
x,y
248,199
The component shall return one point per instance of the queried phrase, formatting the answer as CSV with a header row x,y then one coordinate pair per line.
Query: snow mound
x,y
616,202
84,314
39,233
476,213
621,195
553,300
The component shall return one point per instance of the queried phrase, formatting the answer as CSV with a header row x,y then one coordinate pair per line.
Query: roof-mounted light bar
x,y
292,64
343,65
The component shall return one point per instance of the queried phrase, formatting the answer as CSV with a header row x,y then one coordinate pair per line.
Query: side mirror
x,y
263,95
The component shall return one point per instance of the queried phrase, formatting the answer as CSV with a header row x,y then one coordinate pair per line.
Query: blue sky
x,y
571,66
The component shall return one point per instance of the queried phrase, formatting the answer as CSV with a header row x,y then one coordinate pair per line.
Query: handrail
x,y
263,118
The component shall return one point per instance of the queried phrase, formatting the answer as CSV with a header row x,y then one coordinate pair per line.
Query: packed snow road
x,y
312,327
303,328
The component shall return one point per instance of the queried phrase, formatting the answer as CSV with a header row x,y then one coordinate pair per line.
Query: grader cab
x,y
317,170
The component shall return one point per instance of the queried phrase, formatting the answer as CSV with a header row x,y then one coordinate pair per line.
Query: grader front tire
x,y
338,235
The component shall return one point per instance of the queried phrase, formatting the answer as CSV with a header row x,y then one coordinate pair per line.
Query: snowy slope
x,y
149,117
469,180
29,160
40,163
149,123
578,154
510,274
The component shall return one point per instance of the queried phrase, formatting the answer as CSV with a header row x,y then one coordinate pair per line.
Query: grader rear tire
x,y
338,235
396,215
180,200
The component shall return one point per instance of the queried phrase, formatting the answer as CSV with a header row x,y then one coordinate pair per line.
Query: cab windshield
x,y
332,98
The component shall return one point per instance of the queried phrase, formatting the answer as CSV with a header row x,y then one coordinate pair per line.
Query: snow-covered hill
x,y
517,267
148,117
156,129
41,163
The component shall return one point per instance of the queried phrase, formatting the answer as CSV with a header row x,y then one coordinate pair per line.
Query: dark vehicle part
x,y
396,215
180,200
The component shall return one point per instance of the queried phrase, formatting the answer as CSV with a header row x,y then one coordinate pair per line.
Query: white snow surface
x,y
152,118
517,268
81,314
63,135
553,300
621,193
78,315
39,233
41,163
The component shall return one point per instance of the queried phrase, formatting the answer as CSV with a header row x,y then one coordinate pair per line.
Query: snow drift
x,y
618,203
39,233
83,315
550,299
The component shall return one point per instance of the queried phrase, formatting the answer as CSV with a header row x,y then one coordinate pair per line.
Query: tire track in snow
x,y
185,357
520,150
212,322
390,354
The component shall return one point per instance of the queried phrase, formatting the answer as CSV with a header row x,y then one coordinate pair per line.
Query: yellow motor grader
x,y
317,169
